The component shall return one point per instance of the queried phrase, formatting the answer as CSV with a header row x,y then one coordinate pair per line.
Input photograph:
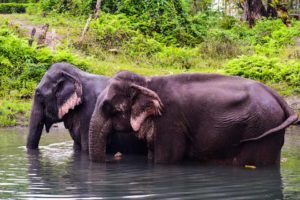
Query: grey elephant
x,y
67,94
205,117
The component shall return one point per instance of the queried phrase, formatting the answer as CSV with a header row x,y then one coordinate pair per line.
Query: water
x,y
55,172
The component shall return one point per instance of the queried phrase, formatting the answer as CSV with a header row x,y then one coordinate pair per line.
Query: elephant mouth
x,y
122,128
146,130
51,113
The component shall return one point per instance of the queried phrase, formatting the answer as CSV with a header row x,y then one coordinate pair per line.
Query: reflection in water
x,y
79,178
55,171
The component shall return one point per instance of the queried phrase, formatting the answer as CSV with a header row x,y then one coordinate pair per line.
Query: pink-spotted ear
x,y
147,103
68,94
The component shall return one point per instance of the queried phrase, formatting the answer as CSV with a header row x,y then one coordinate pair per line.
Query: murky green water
x,y
55,172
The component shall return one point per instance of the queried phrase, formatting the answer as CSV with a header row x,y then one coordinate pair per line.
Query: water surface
x,y
56,172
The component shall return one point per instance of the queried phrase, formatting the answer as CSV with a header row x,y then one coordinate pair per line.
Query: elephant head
x,y
125,105
59,91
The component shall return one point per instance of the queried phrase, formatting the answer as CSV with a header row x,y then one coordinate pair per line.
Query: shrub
x,y
112,31
291,73
181,58
266,69
75,7
165,21
142,46
22,66
264,28
10,110
227,22
6,8
220,44
255,67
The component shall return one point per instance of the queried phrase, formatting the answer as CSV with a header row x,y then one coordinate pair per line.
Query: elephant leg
x,y
76,141
84,139
262,152
169,146
76,146
150,153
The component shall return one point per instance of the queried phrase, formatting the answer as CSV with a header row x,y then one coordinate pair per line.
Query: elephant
x,y
68,94
207,118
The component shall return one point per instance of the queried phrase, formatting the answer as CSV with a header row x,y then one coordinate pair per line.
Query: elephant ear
x,y
146,103
68,94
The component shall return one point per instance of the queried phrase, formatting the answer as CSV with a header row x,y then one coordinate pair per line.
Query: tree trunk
x,y
271,10
253,10
86,28
96,16
97,10
42,37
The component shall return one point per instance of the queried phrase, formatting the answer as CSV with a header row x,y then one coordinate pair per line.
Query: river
x,y
56,172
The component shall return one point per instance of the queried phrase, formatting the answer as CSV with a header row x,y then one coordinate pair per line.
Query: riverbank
x,y
268,53
294,102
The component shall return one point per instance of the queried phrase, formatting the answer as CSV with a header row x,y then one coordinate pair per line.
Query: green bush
x,y
255,67
11,110
227,22
22,66
17,1
112,31
181,58
291,72
6,8
142,46
166,21
75,7
264,28
265,69
220,44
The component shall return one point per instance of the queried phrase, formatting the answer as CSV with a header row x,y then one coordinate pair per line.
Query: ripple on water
x,y
56,172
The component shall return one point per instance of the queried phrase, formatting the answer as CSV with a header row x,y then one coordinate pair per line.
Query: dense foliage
x,y
22,66
6,8
17,1
252,52
262,68
269,39
148,37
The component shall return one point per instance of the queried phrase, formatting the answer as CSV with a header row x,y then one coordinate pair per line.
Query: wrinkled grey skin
x,y
204,117
67,94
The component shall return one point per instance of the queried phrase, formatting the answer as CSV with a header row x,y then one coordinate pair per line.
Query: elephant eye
x,y
107,108
116,111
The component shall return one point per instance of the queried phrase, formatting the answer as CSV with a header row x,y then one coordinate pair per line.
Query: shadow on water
x,y
55,171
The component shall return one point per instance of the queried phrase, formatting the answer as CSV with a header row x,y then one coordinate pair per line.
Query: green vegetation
x,y
14,112
13,8
23,66
167,37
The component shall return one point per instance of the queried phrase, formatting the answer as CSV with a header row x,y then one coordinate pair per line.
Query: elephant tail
x,y
292,117
290,120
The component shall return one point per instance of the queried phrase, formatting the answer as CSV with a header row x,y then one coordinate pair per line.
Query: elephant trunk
x,y
36,124
99,128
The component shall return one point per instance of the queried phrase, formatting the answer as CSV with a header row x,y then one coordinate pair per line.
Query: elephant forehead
x,y
47,83
121,105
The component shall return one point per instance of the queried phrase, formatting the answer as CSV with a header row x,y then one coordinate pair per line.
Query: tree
x,y
253,9
97,9
199,5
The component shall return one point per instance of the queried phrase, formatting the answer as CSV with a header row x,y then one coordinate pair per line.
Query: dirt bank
x,y
294,102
